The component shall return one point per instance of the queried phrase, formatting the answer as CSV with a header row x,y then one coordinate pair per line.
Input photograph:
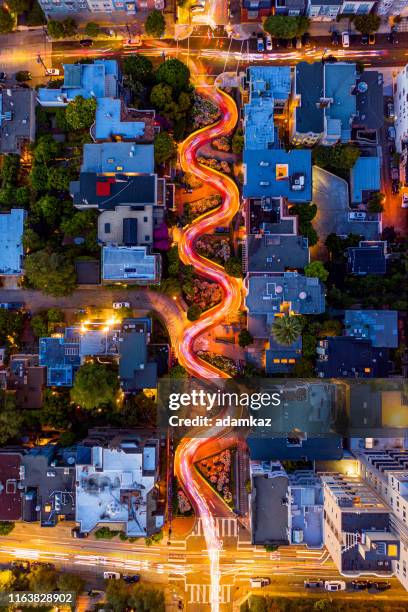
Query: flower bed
x,y
204,294
201,206
219,361
181,503
216,249
221,166
222,144
203,112
218,471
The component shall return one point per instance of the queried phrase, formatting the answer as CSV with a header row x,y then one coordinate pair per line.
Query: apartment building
x,y
401,108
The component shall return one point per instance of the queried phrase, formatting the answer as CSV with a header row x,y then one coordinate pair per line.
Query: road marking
x,y
226,527
200,593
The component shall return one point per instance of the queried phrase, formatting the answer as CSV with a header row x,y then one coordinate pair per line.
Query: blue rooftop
x,y
11,241
87,80
340,80
61,359
364,176
109,123
276,172
379,326
118,157
129,264
272,81
312,449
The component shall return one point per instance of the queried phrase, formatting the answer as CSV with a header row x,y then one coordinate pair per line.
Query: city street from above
x,y
203,305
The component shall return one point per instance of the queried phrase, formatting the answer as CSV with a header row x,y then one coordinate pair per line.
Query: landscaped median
x,y
218,471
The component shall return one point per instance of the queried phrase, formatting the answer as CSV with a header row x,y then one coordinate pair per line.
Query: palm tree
x,y
285,330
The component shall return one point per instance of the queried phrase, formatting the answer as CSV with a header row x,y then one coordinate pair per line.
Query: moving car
x,y
118,305
111,575
259,582
86,42
260,44
335,585
268,42
364,39
404,202
52,72
360,585
357,215
313,583
382,585
345,39
131,579
77,533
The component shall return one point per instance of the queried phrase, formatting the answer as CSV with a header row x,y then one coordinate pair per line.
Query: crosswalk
x,y
201,593
226,527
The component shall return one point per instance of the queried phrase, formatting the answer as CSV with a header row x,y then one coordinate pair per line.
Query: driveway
x,y
169,310
331,196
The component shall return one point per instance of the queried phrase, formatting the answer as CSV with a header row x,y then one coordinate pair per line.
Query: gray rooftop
x,y
273,253
269,514
129,264
309,85
17,119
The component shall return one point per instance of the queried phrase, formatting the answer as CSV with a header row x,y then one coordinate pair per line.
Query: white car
x,y
345,39
357,216
268,42
52,72
404,203
391,133
111,575
118,305
335,585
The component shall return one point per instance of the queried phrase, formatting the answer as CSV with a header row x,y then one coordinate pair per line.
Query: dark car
x,y
12,305
360,585
3,77
335,38
395,186
131,579
393,37
306,39
364,39
77,533
313,583
86,42
391,148
289,43
382,585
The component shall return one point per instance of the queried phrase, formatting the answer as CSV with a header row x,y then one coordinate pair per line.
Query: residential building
x,y
127,225
348,357
269,508
118,486
106,190
255,9
322,448
11,242
27,379
326,102
112,157
61,358
357,7
97,80
293,8
11,497
17,119
274,253
280,359
368,258
401,108
392,7
130,265
357,528
379,326
63,8
137,371
114,121
328,10
305,508
369,105
365,179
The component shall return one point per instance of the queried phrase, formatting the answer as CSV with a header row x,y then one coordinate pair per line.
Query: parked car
x,y
345,39
381,585
131,579
390,110
404,202
313,583
77,533
360,585
289,43
393,37
298,43
395,174
86,42
306,39
199,7
371,38
111,575
357,215
259,582
118,305
335,585
391,133
260,47
335,38
3,77
52,72
364,39
268,42
12,305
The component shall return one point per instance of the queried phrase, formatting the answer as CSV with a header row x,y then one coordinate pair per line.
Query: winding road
x,y
205,501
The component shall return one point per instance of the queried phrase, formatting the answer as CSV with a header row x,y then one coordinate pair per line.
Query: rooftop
x,y
347,357
276,172
265,216
127,157
309,85
313,449
379,326
365,176
340,80
275,253
352,493
269,514
281,359
130,264
11,241
61,359
17,119
370,100
10,494
367,258
135,371
128,225
110,121
106,190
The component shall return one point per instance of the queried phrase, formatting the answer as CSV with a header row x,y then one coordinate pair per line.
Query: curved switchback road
x,y
206,502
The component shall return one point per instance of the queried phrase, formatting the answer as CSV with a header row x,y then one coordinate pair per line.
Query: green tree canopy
x,y
80,223
375,203
95,385
339,157
11,326
175,73
39,177
6,527
366,24
6,21
165,149
51,273
304,368
23,75
233,266
92,29
316,269
46,149
244,338
22,196
11,419
55,29
282,26
80,113
10,169
56,410
286,330
155,24
42,579
71,582
35,15
59,179
18,6
48,206
194,312
70,26
39,325
178,371
139,67
238,141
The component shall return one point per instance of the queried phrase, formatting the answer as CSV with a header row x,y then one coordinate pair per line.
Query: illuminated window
x,y
284,361
276,361
392,550
367,370
292,360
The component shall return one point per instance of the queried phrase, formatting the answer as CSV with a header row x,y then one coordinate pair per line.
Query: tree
x,y
80,224
178,371
281,26
375,203
48,207
58,179
331,327
6,527
286,329
55,29
233,267
366,24
42,579
244,338
155,24
39,177
46,149
95,385
117,594
7,578
161,97
194,312
144,597
165,149
305,214
18,6
71,583
39,325
80,113
56,410
339,157
35,16
6,21
70,26
238,141
11,326
139,411
92,29
23,75
51,273
22,196
174,73
257,603
139,67
316,269
60,117
31,240
10,169
304,368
